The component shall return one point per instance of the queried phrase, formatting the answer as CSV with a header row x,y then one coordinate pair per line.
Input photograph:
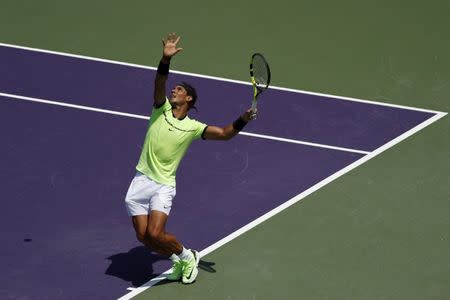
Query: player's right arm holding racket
x,y
260,78
229,131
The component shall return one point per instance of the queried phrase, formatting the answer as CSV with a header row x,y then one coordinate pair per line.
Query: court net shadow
x,y
134,266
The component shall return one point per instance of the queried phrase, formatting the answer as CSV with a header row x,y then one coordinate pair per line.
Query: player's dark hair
x,y
190,91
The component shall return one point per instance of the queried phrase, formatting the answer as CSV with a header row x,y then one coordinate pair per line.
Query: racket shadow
x,y
207,266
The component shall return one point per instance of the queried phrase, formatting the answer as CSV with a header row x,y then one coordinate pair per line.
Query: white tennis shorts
x,y
145,195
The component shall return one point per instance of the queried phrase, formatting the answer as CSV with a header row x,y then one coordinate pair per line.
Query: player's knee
x,y
155,235
141,236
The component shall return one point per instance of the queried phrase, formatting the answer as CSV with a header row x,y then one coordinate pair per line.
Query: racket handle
x,y
254,104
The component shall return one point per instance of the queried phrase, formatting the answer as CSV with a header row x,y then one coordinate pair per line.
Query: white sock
x,y
186,254
174,257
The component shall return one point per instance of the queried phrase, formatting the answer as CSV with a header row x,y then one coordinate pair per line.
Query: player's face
x,y
179,95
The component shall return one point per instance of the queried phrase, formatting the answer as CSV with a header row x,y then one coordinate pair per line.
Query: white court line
x,y
82,107
291,201
113,112
215,78
263,136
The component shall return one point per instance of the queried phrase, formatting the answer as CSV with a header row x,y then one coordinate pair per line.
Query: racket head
x,y
259,72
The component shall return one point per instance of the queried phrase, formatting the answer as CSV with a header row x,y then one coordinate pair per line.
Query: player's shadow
x,y
135,266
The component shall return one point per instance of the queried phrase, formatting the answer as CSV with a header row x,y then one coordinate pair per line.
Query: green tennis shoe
x,y
177,271
190,269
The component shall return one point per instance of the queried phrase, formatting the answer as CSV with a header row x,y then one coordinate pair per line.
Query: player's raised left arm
x,y
229,131
170,48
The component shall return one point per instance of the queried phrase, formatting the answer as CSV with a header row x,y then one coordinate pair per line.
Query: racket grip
x,y
254,105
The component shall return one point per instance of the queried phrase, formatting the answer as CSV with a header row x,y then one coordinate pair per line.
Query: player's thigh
x,y
137,199
162,198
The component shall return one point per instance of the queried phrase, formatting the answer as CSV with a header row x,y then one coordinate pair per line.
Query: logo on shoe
x,y
195,259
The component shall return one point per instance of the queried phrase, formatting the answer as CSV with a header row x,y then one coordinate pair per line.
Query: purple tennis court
x,y
65,171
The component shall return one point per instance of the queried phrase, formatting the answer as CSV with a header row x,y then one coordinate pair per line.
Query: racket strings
x,y
260,71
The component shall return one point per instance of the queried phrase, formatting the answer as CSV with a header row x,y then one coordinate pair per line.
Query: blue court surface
x,y
72,130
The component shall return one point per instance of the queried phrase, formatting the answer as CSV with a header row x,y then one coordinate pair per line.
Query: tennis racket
x,y
260,76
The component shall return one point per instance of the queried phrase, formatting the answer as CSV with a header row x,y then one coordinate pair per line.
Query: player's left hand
x,y
170,45
249,115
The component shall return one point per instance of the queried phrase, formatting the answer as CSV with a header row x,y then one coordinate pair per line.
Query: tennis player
x,y
170,132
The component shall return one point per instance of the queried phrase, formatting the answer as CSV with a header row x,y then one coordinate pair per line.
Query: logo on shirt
x,y
172,125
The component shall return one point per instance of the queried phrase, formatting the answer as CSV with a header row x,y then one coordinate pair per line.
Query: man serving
x,y
170,132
